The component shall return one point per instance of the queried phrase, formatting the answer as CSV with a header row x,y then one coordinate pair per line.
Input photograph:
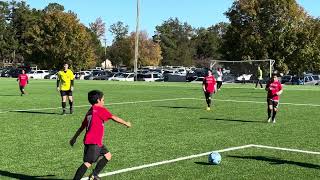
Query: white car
x,y
245,77
38,74
125,77
82,74
151,77
114,76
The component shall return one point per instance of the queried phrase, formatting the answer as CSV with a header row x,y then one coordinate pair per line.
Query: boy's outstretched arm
x,y
74,138
121,121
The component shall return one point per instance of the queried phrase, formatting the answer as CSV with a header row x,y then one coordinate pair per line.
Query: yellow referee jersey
x,y
65,79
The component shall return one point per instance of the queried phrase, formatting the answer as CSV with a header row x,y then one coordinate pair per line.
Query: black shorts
x,y
92,152
21,87
273,103
66,93
207,95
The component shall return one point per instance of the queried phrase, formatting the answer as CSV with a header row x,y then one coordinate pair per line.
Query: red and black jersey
x,y
273,88
23,79
94,124
209,82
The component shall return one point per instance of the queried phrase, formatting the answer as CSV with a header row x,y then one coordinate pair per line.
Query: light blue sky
x,y
198,13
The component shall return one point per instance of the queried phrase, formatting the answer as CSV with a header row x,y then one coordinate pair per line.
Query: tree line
x,y
257,29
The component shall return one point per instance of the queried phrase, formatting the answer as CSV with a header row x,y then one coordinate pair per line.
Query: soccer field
x,y
169,122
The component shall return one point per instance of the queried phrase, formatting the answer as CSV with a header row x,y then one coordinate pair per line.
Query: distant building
x,y
106,64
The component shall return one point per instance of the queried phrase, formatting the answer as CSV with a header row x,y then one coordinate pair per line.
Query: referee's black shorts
x,y
92,152
66,93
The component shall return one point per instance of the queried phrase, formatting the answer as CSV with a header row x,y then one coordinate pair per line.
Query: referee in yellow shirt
x,y
65,83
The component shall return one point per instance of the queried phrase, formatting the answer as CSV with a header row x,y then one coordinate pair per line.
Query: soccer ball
x,y
214,158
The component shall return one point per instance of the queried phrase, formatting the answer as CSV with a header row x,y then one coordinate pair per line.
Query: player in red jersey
x,y
209,87
93,139
23,81
274,89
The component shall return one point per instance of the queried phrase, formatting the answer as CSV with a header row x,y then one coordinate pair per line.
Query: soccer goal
x,y
245,70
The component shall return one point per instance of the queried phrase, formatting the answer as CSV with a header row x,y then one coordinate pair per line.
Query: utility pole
x,y
105,53
136,49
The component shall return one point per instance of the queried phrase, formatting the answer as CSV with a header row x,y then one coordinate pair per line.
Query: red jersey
x,y
209,83
94,124
273,88
23,79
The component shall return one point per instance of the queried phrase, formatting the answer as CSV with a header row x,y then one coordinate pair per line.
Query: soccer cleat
x,y
94,177
208,109
71,110
273,120
269,120
63,112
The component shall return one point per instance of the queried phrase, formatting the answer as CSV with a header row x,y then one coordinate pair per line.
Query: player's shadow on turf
x,y
235,120
276,161
35,112
178,107
203,163
26,177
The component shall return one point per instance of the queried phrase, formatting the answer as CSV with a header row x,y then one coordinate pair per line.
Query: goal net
x,y
242,71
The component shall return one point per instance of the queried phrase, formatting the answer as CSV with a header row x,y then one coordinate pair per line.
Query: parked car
x,y
151,77
244,77
309,80
104,75
114,76
316,78
125,77
295,81
286,78
12,72
82,74
38,74
51,75
92,75
198,80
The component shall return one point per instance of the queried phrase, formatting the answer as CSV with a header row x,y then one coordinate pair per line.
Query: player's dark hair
x,y
94,96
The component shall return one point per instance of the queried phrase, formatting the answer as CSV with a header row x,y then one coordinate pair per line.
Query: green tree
x,y
60,37
175,41
207,43
4,32
119,30
120,52
98,27
262,29
149,51
53,7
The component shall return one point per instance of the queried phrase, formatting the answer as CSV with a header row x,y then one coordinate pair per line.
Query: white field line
x,y
285,149
109,104
200,155
169,161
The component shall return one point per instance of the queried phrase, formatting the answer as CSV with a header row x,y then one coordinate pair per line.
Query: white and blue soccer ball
x,y
214,158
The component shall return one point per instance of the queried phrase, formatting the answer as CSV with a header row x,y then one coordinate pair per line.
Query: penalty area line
x,y
285,149
203,154
169,161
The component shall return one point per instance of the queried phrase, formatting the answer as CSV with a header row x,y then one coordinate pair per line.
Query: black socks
x,y
80,172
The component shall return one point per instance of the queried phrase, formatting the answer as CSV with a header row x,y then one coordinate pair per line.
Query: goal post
x,y
248,67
